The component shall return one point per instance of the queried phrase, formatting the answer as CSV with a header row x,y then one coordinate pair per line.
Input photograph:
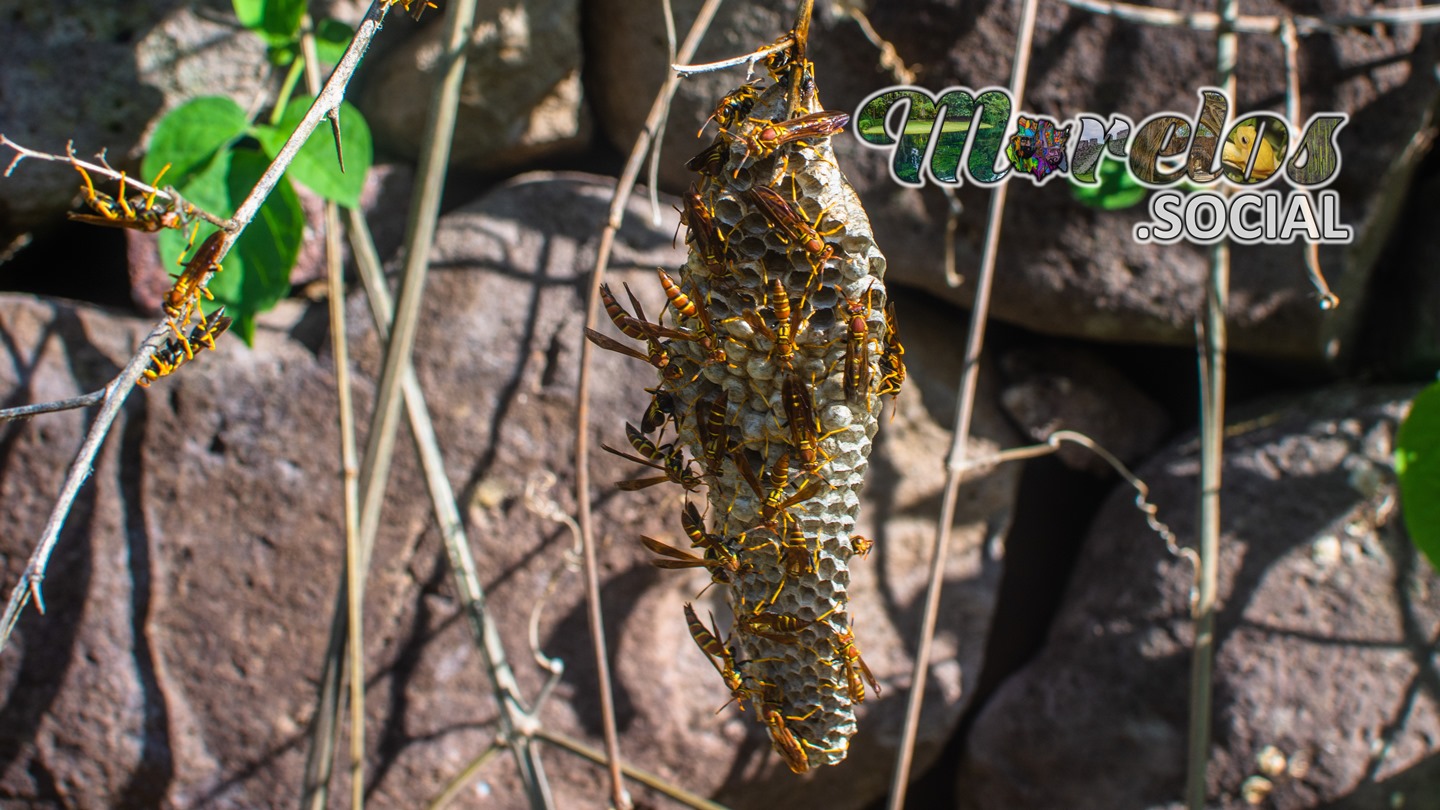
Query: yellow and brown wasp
x,y
855,668
138,213
857,348
762,138
719,655
177,350
179,303
796,227
666,458
722,568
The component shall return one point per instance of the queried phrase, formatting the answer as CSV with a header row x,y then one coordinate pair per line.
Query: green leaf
x,y
275,21
190,135
251,13
315,166
282,20
1417,464
1116,189
256,273
332,37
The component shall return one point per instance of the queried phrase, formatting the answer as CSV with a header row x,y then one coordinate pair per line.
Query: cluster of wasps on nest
x,y
144,213
776,350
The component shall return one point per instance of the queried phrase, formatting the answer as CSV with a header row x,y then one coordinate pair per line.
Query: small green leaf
x,y
1116,189
332,37
251,13
256,273
190,135
315,166
282,20
1417,465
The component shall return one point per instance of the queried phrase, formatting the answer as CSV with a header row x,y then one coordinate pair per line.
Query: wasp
x,y
419,6
733,108
788,321
703,232
775,506
854,665
719,655
761,138
710,425
658,357
177,350
796,227
857,343
796,555
710,161
666,458
690,308
782,739
179,303
796,558
782,627
892,357
804,427
862,545
723,568
139,213
638,328
660,410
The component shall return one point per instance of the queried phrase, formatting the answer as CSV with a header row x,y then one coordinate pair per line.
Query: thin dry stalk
x,y
648,135
515,716
955,464
349,457
1250,24
26,411
645,778
1290,43
1212,428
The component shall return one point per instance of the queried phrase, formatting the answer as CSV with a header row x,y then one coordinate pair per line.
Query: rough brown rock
x,y
1066,269
1056,387
189,597
1323,635
521,97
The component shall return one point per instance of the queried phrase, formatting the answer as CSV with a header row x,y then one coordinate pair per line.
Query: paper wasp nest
x,y
773,361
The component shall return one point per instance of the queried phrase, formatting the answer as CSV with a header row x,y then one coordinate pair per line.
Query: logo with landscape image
x,y
1204,175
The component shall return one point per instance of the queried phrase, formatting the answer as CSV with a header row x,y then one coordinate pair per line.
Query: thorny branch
x,y
119,389
104,169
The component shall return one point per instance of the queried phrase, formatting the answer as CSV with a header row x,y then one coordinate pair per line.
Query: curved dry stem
x,y
468,773
954,466
1212,439
623,186
1142,490
539,503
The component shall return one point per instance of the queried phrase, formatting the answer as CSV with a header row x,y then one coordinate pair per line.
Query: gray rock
x,y
1326,616
68,72
188,598
1056,387
521,97
1066,269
